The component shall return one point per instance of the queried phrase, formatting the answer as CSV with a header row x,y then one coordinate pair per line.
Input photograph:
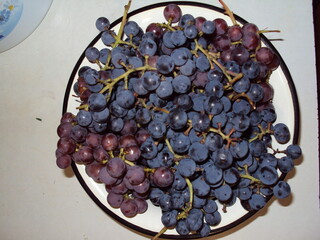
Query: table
x,y
40,201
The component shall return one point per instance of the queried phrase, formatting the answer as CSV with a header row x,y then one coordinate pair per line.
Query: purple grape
x,y
163,177
172,12
115,200
135,175
116,167
129,208
63,161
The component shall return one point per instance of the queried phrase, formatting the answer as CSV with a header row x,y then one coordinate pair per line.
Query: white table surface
x,y
40,201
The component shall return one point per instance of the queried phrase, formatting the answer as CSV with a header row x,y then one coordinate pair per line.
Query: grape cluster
x,y
180,115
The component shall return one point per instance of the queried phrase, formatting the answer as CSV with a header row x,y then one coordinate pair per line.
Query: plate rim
x,y
14,38
296,122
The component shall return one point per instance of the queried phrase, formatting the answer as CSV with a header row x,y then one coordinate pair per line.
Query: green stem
x,y
162,231
253,179
229,12
185,212
109,85
176,156
167,26
205,52
123,22
262,132
244,95
267,31
248,176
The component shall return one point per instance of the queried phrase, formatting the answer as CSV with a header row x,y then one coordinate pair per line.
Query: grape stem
x,y
123,22
166,25
228,12
248,176
226,137
176,156
185,212
162,231
205,52
109,85
263,132
212,60
237,76
267,31
244,95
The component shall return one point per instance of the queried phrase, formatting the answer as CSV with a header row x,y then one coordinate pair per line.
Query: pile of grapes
x,y
179,115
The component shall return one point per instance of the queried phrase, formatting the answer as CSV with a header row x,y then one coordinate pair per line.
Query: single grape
x,y
129,208
64,161
285,164
213,219
148,47
155,29
257,201
66,145
186,167
115,200
186,20
109,142
281,133
169,218
108,37
190,31
102,24
116,167
141,204
131,28
165,64
293,151
281,190
235,33
264,55
178,38
177,118
79,133
92,54
164,90
221,26
172,12
208,27
135,175
268,175
150,80
250,40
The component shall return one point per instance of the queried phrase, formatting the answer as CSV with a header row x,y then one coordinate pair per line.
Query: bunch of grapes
x,y
179,115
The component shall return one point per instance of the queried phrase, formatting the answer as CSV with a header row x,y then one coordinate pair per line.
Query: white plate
x,y
285,101
18,19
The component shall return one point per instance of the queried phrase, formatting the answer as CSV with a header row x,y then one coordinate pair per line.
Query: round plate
x,y
18,19
285,101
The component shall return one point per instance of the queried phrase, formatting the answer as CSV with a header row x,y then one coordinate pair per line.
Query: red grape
x,y
235,33
66,145
264,55
64,161
251,40
221,26
109,142
116,167
163,177
172,12
129,208
114,199
64,129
